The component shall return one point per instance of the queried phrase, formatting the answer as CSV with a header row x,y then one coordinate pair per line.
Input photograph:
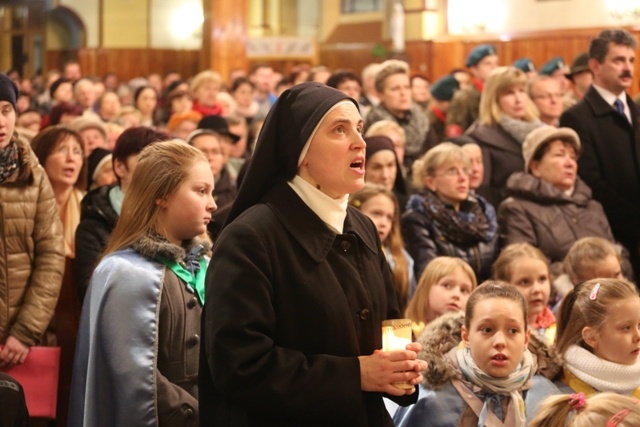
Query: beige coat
x,y
31,251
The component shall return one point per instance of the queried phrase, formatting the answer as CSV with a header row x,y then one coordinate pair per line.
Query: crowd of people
x,y
496,208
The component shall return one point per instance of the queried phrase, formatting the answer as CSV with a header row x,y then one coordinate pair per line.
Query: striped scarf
x,y
9,157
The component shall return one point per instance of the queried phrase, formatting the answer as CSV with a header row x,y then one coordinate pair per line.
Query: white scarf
x,y
602,374
333,212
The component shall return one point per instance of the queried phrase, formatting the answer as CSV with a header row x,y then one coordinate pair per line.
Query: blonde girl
x,y
590,258
139,339
381,206
445,285
575,410
526,268
598,338
481,371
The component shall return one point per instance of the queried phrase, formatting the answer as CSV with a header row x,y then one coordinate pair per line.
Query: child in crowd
x,y
525,267
575,410
590,258
381,207
598,337
445,285
487,379
138,345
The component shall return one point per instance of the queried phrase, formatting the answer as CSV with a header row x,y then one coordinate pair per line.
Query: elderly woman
x,y
444,220
300,285
204,90
394,88
507,115
31,247
550,206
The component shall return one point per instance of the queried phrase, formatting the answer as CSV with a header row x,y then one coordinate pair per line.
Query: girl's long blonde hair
x,y
437,268
161,169
394,241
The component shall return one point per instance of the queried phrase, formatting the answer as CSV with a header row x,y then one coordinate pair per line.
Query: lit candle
x,y
396,335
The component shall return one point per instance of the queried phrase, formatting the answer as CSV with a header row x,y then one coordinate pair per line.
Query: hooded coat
x,y
439,404
291,304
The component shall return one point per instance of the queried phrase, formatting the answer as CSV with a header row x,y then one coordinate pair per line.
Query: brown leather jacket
x,y
31,251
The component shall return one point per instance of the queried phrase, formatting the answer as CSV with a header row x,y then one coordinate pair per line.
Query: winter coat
x,y
97,221
439,403
544,216
31,251
425,241
290,307
138,348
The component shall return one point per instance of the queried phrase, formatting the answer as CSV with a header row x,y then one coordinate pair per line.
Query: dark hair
x,y
46,141
63,108
421,77
241,81
133,140
138,92
342,76
599,47
493,289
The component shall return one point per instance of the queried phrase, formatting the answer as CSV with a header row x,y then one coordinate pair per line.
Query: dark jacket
x,y
290,307
544,216
138,346
97,221
610,163
501,156
425,241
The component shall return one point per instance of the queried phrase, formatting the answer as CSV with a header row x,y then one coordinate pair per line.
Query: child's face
x,y
607,268
381,210
531,277
497,336
449,294
186,213
618,339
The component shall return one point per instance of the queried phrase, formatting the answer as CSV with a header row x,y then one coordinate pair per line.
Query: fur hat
x,y
8,90
539,137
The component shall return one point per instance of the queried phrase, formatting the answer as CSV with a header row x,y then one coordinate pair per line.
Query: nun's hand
x,y
381,370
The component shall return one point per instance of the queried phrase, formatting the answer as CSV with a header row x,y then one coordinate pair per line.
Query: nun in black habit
x,y
298,284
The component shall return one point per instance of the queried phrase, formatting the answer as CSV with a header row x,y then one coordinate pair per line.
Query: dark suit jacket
x,y
610,163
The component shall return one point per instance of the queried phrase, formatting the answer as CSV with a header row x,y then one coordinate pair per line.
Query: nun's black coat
x,y
290,307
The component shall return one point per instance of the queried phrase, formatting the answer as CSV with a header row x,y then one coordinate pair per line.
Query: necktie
x,y
618,104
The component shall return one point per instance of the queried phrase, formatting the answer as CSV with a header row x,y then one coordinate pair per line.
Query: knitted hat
x,y
525,64
580,64
218,124
8,90
479,53
98,158
552,65
443,89
543,135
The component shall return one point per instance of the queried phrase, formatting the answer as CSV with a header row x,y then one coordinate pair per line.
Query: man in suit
x,y
608,123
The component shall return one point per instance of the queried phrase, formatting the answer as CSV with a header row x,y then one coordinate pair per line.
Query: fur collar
x,y
444,333
153,245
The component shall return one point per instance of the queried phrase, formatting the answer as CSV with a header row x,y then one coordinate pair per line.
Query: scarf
x,y
9,157
465,228
601,374
192,270
518,129
493,389
116,197
70,221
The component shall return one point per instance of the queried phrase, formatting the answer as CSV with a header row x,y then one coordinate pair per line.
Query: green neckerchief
x,y
195,282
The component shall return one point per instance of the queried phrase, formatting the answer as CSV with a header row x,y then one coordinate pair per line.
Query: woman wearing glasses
x,y
443,219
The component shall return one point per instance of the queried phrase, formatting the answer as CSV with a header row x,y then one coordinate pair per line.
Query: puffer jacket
x,y
440,405
425,241
31,251
540,214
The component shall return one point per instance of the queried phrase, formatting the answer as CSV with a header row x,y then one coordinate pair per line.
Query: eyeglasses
x,y
454,171
66,151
